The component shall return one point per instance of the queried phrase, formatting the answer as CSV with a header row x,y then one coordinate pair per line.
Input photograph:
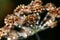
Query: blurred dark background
x,y
7,7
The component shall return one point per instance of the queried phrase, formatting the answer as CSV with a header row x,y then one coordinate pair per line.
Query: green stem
x,y
37,36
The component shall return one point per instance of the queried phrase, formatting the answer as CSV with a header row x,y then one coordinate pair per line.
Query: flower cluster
x,y
26,20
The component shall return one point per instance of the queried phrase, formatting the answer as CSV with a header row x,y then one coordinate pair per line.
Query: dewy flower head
x,y
26,20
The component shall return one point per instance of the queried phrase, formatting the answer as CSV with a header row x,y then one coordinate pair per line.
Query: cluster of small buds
x,y
28,20
4,31
52,9
33,7
51,23
12,35
31,19
58,10
13,20
55,13
50,6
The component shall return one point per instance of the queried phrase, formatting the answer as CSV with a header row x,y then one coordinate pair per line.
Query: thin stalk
x,y
37,36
